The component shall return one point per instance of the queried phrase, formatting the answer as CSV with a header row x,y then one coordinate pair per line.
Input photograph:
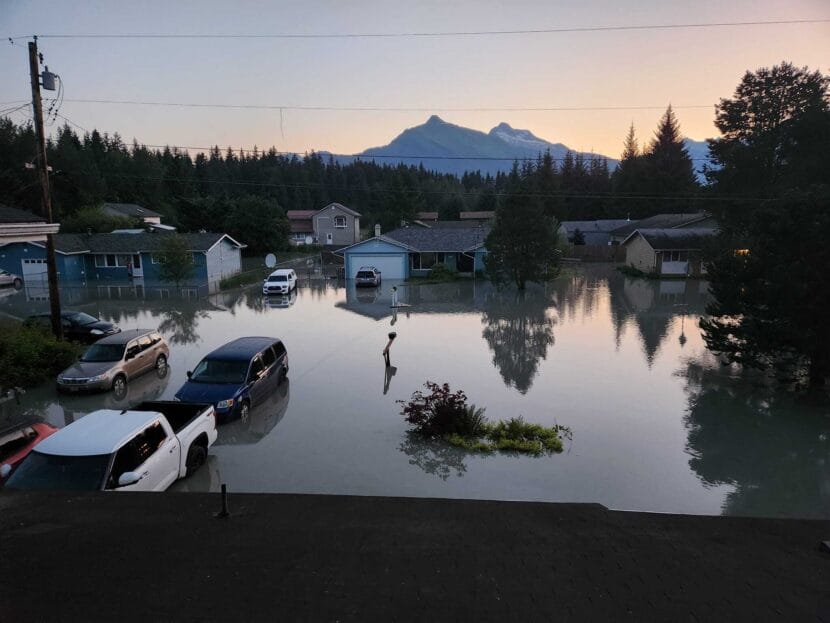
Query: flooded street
x,y
657,423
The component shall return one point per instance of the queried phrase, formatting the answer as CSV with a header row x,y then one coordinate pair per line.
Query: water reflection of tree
x,y
519,331
434,456
772,447
180,324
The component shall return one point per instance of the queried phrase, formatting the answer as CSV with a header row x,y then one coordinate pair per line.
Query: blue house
x,y
412,251
100,258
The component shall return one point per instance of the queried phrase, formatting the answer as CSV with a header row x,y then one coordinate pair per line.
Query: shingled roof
x,y
441,240
686,239
13,215
660,221
132,210
132,243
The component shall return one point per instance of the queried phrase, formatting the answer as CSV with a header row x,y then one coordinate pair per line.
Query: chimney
x,y
377,229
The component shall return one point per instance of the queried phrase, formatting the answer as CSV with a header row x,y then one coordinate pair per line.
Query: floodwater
x,y
657,424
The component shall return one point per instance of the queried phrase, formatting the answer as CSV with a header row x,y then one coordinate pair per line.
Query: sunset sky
x,y
646,67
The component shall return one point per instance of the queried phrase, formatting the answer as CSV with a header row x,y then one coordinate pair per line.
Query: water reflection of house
x,y
450,298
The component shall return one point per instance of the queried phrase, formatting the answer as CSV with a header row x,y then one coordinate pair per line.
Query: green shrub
x,y
30,355
440,272
444,413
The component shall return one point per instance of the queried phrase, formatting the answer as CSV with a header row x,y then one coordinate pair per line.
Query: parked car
x,y
281,281
114,361
18,440
237,376
77,325
146,448
10,279
367,276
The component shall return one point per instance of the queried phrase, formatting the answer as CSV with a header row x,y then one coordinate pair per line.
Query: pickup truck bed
x,y
179,414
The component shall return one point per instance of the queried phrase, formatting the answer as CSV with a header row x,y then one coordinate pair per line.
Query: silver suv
x,y
110,363
367,276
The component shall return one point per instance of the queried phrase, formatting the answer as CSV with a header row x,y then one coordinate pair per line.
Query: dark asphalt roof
x,y
439,239
342,207
130,243
675,239
659,221
602,225
131,209
242,348
13,215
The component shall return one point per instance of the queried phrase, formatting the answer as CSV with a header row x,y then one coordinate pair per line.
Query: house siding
x,y
223,260
378,248
639,254
324,224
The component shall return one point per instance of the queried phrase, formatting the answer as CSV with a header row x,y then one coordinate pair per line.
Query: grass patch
x,y
631,271
31,355
445,414
244,279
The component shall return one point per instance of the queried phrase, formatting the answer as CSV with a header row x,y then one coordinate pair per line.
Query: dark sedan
x,y
78,326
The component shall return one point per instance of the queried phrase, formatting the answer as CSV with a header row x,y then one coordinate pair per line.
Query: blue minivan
x,y
237,376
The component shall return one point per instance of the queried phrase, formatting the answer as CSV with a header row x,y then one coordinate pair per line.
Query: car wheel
x,y
18,283
161,362
245,412
119,386
196,457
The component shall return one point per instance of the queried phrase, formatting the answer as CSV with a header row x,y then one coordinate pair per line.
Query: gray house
x,y
133,211
334,225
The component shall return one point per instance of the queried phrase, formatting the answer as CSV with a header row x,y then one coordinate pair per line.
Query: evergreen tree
x,y
669,167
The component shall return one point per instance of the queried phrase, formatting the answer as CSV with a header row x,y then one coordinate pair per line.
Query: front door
x,y
138,271
329,239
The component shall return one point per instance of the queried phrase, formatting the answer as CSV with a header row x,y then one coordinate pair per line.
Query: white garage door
x,y
34,271
390,266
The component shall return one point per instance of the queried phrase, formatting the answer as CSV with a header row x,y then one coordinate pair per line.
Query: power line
x,y
455,33
381,108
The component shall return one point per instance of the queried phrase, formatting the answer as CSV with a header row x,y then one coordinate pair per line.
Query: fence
x,y
596,252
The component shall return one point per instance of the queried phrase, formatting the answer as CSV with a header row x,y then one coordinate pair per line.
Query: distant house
x,y
413,251
427,217
22,226
699,220
82,258
477,217
334,225
132,211
669,252
593,232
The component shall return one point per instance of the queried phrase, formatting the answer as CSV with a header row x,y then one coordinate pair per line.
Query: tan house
x,y
667,252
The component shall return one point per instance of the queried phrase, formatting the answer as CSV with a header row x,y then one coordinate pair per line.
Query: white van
x,y
281,281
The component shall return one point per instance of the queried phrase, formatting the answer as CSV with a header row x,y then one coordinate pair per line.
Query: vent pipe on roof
x,y
377,230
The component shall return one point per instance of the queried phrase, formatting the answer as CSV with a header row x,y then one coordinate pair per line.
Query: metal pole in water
x,y
224,512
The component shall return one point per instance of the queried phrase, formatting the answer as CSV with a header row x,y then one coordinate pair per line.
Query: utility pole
x,y
45,197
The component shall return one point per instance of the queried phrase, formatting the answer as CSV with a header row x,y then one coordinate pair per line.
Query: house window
x,y
340,222
155,258
106,261
425,260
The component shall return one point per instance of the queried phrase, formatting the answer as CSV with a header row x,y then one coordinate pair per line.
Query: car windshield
x,y
366,274
220,371
277,278
81,318
104,352
48,471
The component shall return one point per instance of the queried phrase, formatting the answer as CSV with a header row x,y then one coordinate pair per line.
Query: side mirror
x,y
189,373
128,478
5,470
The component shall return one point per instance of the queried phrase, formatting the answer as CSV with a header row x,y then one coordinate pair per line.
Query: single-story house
x,y
412,251
82,258
427,216
669,252
22,226
593,232
132,211
698,220
333,225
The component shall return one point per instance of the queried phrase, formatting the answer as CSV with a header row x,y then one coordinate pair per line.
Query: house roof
x,y
130,209
600,226
447,224
13,215
427,216
477,215
300,215
660,221
132,243
341,206
301,227
439,239
670,239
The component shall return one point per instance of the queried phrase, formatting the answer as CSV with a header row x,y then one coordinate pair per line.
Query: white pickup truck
x,y
146,448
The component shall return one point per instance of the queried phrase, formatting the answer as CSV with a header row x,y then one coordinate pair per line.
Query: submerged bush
x,y
443,413
30,355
